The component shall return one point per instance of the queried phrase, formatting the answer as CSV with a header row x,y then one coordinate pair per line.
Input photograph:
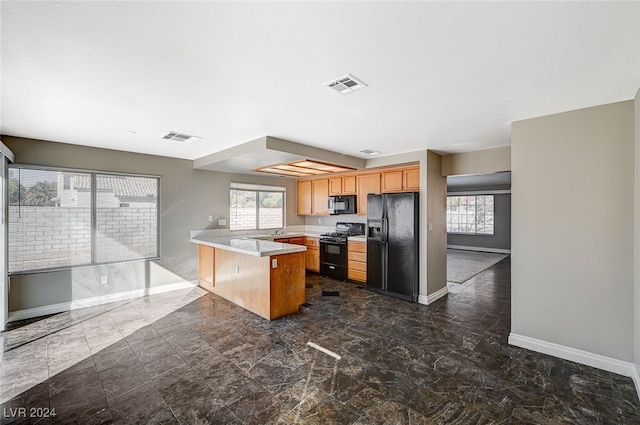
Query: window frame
x,y
93,214
257,189
475,212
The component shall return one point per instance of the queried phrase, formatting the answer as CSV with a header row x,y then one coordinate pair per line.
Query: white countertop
x,y
250,246
361,238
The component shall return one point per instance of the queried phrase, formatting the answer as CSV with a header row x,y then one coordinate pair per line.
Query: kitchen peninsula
x,y
262,276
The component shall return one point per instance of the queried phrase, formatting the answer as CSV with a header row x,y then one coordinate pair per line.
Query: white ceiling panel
x,y
447,76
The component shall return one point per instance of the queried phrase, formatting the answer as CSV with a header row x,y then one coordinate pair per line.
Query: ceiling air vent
x,y
180,137
345,84
369,151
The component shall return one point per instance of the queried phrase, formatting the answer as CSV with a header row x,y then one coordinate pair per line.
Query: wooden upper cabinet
x,y
401,180
313,195
349,185
367,183
303,197
392,181
342,185
335,186
320,197
411,177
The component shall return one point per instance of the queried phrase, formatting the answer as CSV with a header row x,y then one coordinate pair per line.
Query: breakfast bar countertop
x,y
249,246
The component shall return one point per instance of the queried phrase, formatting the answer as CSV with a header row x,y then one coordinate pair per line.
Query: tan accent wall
x,y
436,224
637,235
572,220
477,162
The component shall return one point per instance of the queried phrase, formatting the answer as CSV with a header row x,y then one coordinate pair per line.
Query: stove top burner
x,y
343,231
335,234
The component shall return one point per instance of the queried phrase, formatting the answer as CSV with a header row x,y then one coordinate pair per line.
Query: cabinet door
x,y
367,183
311,241
392,181
205,267
312,259
320,192
335,186
303,196
349,185
411,179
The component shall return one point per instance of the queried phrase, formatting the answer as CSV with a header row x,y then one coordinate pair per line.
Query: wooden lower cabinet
x,y
205,267
312,255
357,263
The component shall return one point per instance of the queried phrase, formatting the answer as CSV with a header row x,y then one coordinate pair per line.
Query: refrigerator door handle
x,y
385,230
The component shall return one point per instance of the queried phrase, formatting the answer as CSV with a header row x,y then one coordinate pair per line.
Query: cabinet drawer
x,y
357,246
357,256
358,265
299,240
282,240
358,275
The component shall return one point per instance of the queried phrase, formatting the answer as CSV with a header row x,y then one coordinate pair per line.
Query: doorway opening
x,y
478,225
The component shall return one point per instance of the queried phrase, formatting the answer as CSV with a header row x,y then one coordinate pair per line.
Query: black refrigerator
x,y
392,244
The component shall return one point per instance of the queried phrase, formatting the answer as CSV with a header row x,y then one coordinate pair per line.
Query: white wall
x,y
572,230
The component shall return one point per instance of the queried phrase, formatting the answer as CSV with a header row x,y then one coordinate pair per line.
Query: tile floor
x,y
190,357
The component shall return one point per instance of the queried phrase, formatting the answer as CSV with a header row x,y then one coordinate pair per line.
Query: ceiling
x,y
446,76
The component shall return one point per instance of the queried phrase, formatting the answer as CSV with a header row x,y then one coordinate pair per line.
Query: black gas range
x,y
333,249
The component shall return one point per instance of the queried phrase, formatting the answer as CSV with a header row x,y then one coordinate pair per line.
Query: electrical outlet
x,y
104,280
274,263
237,269
430,226
211,218
222,222
319,221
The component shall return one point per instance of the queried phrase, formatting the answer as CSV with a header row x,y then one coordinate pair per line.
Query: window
x,y
254,207
129,232
65,218
471,214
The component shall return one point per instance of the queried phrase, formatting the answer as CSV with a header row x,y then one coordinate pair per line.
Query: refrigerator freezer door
x,y
375,264
374,207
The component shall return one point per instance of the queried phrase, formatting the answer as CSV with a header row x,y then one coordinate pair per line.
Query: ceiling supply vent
x,y
369,152
180,137
345,84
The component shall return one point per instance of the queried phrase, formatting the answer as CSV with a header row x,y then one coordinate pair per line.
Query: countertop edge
x,y
219,243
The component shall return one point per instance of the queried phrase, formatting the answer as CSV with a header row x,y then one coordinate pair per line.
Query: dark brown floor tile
x,y
77,397
92,412
114,355
140,407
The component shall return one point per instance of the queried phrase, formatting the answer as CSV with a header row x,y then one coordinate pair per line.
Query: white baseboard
x,y
479,249
90,302
428,299
636,378
575,355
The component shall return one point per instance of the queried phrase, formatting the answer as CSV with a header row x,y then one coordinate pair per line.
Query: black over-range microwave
x,y
342,204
